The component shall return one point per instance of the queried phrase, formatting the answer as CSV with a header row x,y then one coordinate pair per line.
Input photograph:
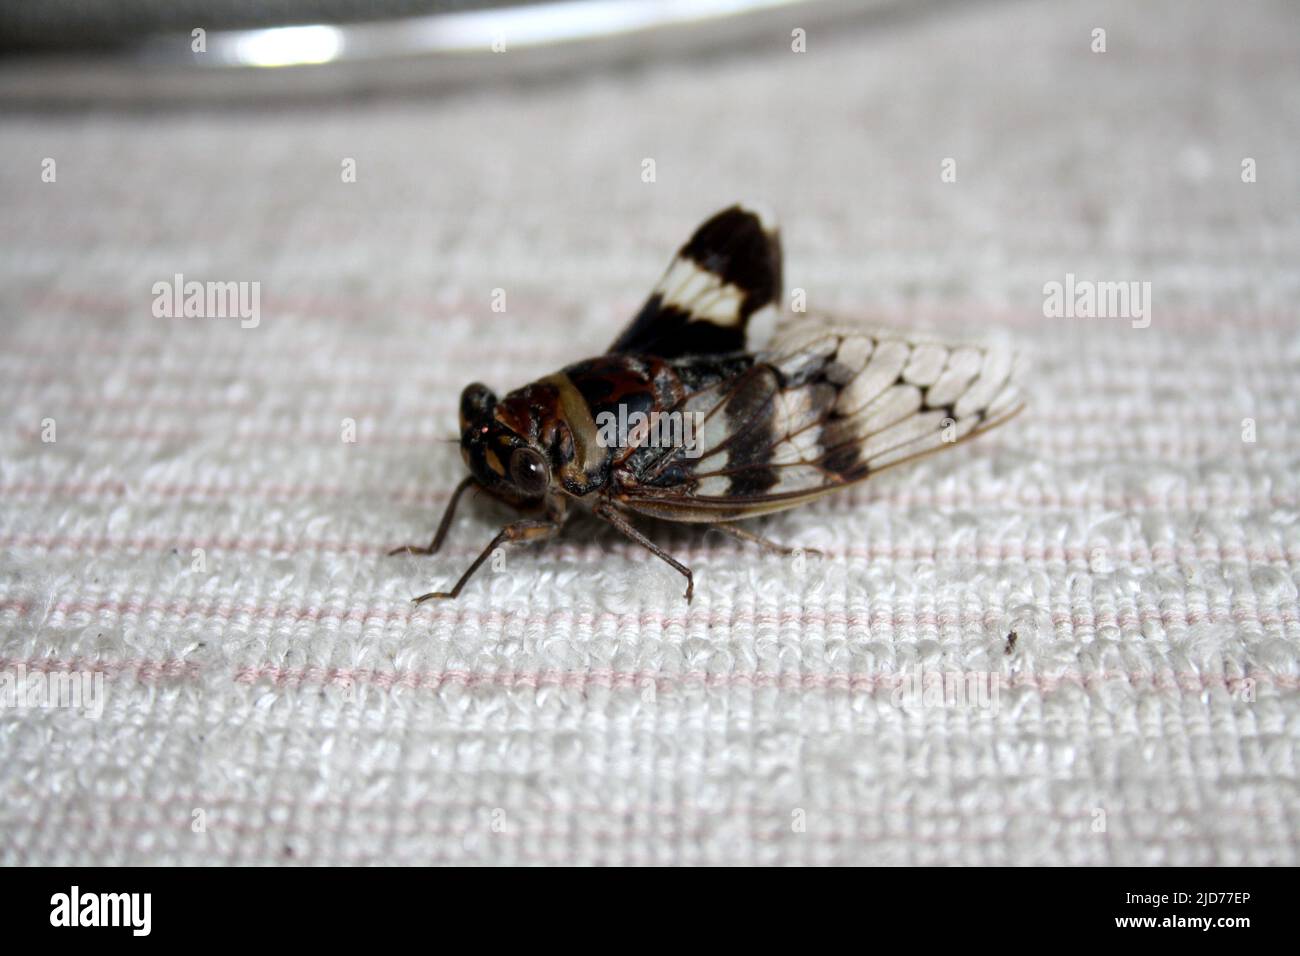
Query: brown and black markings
x,y
788,414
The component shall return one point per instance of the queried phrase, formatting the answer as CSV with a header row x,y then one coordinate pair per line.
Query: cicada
x,y
711,407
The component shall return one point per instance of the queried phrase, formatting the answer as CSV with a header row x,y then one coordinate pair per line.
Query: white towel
x,y
201,543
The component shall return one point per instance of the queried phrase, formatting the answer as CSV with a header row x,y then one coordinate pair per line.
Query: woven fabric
x,y
201,535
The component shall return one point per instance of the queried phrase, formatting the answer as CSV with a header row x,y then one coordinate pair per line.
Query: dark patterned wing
x,y
825,407
720,294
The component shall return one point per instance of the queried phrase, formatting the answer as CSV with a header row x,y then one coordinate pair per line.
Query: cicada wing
x,y
827,405
720,295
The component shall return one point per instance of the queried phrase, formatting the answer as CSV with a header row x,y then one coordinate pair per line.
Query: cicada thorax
x,y
606,420
566,415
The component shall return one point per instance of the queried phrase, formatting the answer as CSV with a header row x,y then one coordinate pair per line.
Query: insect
x,y
1012,637
707,409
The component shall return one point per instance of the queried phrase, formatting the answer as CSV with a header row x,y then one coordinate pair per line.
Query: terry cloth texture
x,y
201,534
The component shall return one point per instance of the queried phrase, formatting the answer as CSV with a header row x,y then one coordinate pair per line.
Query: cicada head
x,y
503,461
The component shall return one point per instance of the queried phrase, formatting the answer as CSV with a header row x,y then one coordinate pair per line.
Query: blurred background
x,y
148,51
198,508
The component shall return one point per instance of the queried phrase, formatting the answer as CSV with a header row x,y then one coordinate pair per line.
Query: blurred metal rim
x,y
408,53
488,30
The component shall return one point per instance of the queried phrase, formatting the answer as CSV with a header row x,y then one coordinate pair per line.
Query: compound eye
x,y
528,472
